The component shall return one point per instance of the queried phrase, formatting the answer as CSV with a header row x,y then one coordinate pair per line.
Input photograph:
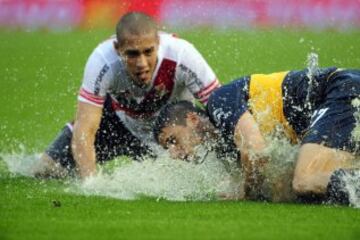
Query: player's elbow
x,y
299,186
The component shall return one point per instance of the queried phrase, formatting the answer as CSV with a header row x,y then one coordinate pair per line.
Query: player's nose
x,y
142,61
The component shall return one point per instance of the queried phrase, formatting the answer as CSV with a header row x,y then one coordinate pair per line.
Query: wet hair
x,y
135,23
174,114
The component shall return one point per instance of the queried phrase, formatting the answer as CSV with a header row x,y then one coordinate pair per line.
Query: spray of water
x,y
352,187
164,178
312,63
356,131
22,163
281,154
280,169
352,182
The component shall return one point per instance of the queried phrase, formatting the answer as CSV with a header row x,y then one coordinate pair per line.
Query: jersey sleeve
x,y
227,104
96,81
196,73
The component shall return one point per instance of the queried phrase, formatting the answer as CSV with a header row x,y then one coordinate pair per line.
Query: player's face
x,y
181,141
140,55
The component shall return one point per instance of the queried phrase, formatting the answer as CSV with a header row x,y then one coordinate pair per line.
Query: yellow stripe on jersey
x,y
266,103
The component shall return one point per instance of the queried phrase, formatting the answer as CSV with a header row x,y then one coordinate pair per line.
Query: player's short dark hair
x,y
135,23
175,114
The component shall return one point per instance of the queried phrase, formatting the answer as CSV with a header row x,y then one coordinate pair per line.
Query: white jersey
x,y
181,73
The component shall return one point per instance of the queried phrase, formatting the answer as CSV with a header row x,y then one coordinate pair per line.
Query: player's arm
x,y
87,122
91,98
247,136
250,143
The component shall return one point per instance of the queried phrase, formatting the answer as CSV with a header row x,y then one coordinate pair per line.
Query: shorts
x,y
333,121
112,139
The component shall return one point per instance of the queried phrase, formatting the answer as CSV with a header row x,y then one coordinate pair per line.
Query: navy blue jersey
x,y
315,108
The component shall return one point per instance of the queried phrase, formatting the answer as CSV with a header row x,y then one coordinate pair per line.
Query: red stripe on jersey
x,y
91,97
82,90
207,90
164,81
116,106
205,99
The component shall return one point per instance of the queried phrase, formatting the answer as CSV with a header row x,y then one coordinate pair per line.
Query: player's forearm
x,y
253,163
247,136
251,144
84,154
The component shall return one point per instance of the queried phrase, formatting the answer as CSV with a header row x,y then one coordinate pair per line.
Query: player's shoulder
x,y
104,57
227,103
231,92
105,51
172,42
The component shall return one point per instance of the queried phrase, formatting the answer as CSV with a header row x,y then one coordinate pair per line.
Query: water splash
x,y
356,132
352,182
176,180
312,63
22,163
164,178
352,186
279,171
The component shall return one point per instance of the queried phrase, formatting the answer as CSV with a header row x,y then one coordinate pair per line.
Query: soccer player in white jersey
x,y
127,79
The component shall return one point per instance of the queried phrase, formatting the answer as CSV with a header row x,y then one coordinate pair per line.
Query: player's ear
x,y
116,45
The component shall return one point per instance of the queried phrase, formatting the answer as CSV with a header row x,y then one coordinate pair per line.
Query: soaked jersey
x,y
181,73
285,99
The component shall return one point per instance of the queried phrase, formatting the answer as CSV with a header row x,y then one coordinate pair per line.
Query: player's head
x,y
137,42
181,127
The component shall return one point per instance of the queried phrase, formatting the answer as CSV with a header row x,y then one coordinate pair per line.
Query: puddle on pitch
x,y
176,180
164,178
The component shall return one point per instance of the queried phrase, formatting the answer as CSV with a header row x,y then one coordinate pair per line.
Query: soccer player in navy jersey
x,y
315,110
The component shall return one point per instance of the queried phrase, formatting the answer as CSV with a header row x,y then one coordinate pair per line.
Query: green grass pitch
x,y
40,74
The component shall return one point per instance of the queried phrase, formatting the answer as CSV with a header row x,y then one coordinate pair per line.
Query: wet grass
x,y
34,209
40,75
